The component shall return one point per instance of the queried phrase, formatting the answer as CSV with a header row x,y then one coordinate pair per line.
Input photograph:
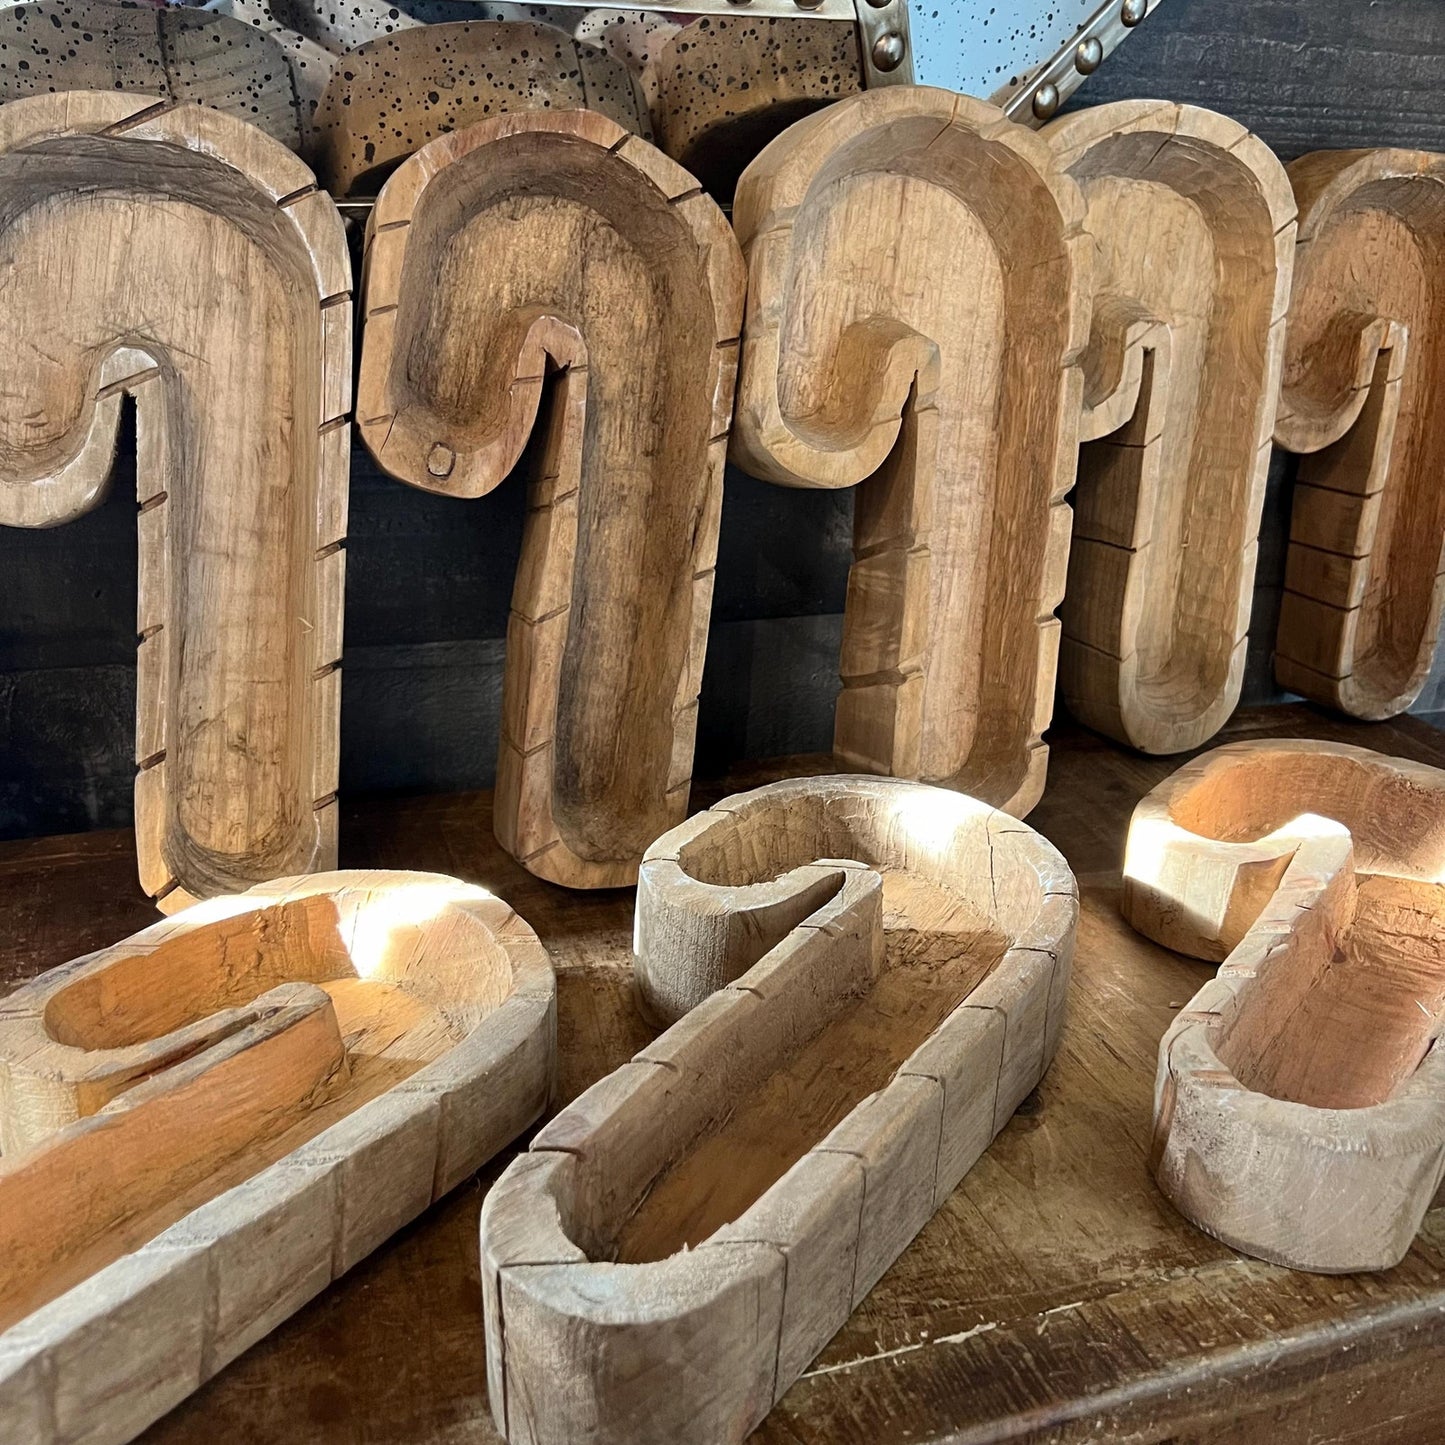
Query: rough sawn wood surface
x,y
1056,1296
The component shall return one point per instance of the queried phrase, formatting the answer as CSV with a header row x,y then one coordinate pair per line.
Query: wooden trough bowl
x,y
239,365
683,1240
1300,1105
550,276
204,1125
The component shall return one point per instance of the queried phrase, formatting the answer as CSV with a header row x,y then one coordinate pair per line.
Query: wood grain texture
x,y
1193,226
207,1123
1301,77
880,970
1332,73
1056,1295
918,302
1365,360
725,86
609,337
179,54
1300,1103
241,376
397,92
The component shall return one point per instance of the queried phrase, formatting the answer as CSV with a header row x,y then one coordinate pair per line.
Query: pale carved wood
x,y
549,273
208,1122
240,366
1193,226
397,92
918,303
1364,371
726,85
681,1242
1300,1100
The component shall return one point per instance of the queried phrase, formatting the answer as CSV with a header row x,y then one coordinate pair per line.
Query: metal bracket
x,y
1039,99
954,37
887,46
885,42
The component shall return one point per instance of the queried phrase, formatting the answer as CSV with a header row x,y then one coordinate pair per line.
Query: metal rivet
x,y
1046,100
440,461
880,4
808,4
888,51
1133,11
740,2
1088,55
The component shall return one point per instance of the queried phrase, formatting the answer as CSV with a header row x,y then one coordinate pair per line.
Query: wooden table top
x,y
1056,1296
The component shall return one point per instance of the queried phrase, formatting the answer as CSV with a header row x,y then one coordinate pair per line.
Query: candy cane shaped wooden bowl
x,y
206,1123
1299,1109
238,364
682,1241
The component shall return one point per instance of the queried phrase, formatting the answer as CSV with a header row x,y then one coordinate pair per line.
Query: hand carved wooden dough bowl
x,y
207,1123
681,1242
1300,1105
860,977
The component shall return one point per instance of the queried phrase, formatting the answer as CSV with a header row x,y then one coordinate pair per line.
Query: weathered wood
x,y
241,373
424,665
1300,1104
725,86
918,301
680,1243
1193,227
1365,353
165,52
396,93
1301,77
729,885
208,1122
611,333
1056,1292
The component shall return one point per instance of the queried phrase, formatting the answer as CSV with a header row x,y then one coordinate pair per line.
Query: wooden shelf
x,y
1056,1294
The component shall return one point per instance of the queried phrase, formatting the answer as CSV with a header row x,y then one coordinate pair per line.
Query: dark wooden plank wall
x,y
429,578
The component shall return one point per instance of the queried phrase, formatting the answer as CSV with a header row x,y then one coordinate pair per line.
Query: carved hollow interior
x,y
1364,367
1395,820
991,472
943,870
889,956
544,199
934,375
1347,1001
1150,195
221,656
138,1084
